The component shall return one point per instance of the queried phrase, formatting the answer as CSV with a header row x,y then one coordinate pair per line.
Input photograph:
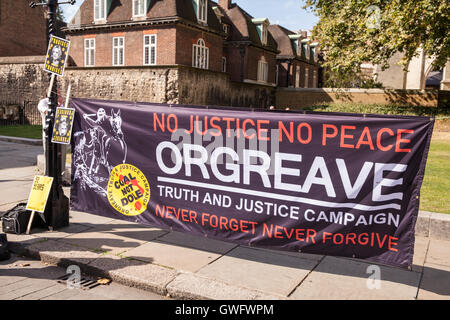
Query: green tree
x,y
352,32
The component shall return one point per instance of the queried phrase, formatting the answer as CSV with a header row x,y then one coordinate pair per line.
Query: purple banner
x,y
322,183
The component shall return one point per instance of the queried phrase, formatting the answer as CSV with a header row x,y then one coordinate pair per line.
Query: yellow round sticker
x,y
128,190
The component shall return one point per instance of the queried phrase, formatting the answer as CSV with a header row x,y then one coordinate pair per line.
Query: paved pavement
x,y
190,267
26,279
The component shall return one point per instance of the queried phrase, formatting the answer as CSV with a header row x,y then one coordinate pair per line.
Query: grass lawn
x,y
32,132
435,193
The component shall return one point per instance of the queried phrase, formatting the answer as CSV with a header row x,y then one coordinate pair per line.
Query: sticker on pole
x,y
39,193
57,54
62,130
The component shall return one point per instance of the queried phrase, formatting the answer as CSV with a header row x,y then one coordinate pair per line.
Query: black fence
x,y
19,113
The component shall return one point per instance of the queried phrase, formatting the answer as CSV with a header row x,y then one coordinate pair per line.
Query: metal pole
x,y
57,210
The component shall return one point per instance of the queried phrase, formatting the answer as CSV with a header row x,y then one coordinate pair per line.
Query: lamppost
x,y
57,209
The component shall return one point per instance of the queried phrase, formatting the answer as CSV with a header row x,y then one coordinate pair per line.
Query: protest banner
x,y
322,183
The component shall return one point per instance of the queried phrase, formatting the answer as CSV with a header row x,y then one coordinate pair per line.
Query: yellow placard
x,y
39,193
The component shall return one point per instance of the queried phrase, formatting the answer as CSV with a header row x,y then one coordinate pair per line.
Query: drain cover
x,y
85,284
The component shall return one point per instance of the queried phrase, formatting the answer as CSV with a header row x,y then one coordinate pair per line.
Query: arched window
x,y
200,55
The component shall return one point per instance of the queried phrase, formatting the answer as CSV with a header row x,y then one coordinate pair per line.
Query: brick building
x,y
140,32
249,48
204,34
22,29
297,62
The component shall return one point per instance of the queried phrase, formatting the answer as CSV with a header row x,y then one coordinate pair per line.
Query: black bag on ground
x,y
4,253
16,220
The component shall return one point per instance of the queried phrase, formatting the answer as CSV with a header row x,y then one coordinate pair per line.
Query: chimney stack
x,y
225,4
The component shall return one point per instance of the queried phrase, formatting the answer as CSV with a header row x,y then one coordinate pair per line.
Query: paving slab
x,y
14,194
195,287
440,226
41,294
6,207
17,171
438,253
4,281
435,283
66,294
268,272
113,238
342,279
87,218
315,257
174,256
134,273
71,229
423,224
197,242
27,279
56,252
22,288
9,182
420,252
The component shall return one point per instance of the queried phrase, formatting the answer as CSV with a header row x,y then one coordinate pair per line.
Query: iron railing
x,y
19,113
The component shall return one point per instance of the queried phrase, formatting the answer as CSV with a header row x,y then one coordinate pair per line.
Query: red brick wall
x,y
22,29
165,49
234,64
174,46
253,56
282,81
187,37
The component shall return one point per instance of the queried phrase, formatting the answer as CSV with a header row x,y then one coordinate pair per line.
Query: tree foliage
x,y
352,32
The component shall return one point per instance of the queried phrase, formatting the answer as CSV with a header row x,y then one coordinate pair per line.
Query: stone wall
x,y
203,87
23,79
166,84
145,84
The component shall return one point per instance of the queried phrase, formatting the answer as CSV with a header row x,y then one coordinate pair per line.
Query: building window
x,y
139,8
118,51
150,49
99,10
263,70
202,10
89,52
262,25
277,73
306,77
315,79
225,28
200,55
306,50
262,30
264,34
297,77
224,64
295,45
